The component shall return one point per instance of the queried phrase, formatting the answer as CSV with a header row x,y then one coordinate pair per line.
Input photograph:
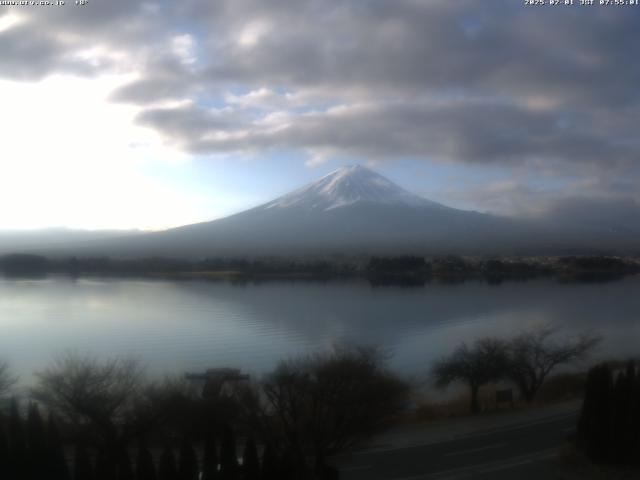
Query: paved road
x,y
520,451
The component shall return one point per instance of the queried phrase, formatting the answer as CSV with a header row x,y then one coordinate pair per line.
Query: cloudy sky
x,y
122,114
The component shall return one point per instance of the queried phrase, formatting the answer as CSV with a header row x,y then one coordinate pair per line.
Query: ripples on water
x,y
191,325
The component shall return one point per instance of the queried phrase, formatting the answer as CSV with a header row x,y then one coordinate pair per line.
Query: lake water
x,y
178,326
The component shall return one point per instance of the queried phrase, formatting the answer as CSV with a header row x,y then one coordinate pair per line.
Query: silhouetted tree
x,y
82,466
18,458
106,468
607,426
5,468
269,464
250,462
188,463
621,398
534,354
100,395
289,468
486,361
595,418
145,468
228,456
210,459
633,390
323,404
57,467
173,404
36,443
125,470
167,469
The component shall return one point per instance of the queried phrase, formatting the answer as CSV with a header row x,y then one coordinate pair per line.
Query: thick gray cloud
x,y
466,81
459,82
463,130
184,124
48,40
20,43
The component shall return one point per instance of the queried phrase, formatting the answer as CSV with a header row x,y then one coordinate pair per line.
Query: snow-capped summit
x,y
349,185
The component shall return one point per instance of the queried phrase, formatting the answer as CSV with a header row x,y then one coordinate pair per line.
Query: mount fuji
x,y
348,186
352,210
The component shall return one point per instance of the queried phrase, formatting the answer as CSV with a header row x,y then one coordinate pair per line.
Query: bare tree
x,y
325,403
6,379
485,361
535,353
96,396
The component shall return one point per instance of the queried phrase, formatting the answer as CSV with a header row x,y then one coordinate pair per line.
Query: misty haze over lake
x,y
193,325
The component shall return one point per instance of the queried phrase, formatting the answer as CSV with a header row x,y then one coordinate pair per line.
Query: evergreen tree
x,y
631,371
82,467
36,443
250,462
125,470
57,468
287,466
105,466
188,462
145,468
635,420
630,437
609,420
167,469
228,457
269,464
598,447
621,435
210,459
4,452
17,442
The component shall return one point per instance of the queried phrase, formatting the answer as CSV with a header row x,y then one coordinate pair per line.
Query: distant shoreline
x,y
390,270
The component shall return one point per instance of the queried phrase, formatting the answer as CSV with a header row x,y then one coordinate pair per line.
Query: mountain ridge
x,y
354,210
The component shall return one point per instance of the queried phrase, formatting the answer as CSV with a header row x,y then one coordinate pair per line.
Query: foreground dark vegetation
x,y
606,443
105,420
388,270
609,423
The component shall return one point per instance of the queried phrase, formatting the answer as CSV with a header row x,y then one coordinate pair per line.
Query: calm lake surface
x,y
177,326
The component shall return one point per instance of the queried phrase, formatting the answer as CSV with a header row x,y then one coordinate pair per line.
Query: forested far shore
x,y
380,270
